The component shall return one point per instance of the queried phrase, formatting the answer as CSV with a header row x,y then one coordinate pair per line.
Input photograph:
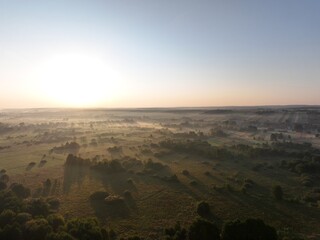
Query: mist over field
x,y
159,120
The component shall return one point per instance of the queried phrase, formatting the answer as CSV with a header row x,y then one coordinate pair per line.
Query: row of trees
x,y
251,229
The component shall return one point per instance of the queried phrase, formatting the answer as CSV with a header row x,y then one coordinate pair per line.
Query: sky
x,y
165,53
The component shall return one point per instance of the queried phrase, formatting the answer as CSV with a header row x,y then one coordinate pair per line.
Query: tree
x,y
11,232
204,230
251,229
38,207
59,236
84,229
7,217
176,233
55,221
37,229
203,209
20,190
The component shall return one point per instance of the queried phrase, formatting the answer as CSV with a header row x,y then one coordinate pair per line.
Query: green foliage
x,y
204,230
37,229
7,217
251,229
155,166
38,207
56,221
84,229
23,217
110,167
9,200
59,236
11,232
54,203
201,148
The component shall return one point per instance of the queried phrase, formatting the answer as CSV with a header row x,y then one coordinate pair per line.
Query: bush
x,y
23,217
203,209
7,217
204,230
251,229
59,236
9,200
98,196
176,233
21,191
11,232
38,207
54,203
55,221
84,229
37,229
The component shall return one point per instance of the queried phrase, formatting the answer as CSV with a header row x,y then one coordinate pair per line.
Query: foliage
x,y
203,209
204,230
251,229
20,190
98,196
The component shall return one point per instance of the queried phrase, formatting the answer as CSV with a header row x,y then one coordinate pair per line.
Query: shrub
x,y
176,233
203,209
251,229
21,191
83,229
11,232
98,196
37,229
204,230
38,207
23,217
59,236
55,221
54,203
7,217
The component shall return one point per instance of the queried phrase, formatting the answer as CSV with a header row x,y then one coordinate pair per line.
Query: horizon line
x,y
177,107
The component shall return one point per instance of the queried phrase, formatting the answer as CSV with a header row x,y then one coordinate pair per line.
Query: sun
x,y
78,80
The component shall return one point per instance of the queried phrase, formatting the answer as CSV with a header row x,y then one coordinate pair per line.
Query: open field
x,y
170,159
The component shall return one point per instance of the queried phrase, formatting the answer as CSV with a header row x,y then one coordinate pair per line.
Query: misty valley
x,y
163,173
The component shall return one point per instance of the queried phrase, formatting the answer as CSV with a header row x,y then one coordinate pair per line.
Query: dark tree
x,y
20,190
203,209
204,230
55,221
251,229
38,207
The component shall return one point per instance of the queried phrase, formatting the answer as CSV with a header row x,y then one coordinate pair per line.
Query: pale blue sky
x,y
159,53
